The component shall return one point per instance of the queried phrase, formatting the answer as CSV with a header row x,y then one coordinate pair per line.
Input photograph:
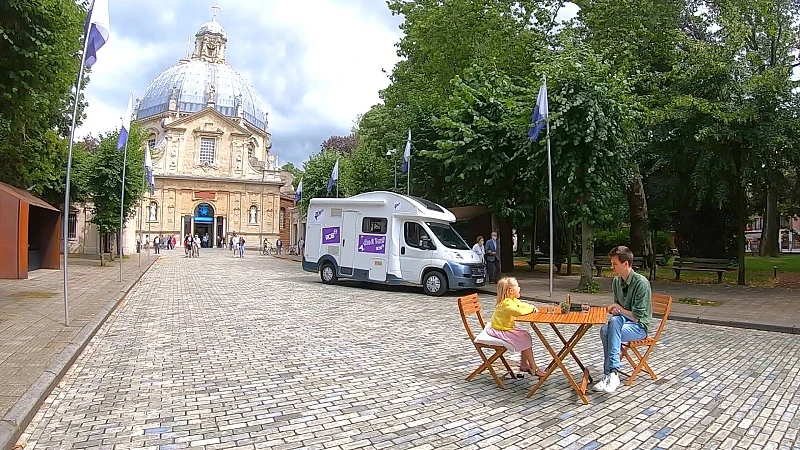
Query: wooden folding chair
x,y
661,305
470,305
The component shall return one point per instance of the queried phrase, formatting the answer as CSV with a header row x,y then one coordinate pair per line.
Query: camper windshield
x,y
447,236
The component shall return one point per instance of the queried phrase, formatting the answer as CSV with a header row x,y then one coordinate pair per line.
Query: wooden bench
x,y
558,261
605,261
720,266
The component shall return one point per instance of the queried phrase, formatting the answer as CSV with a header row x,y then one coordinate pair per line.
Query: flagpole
x,y
550,193
65,219
408,179
122,206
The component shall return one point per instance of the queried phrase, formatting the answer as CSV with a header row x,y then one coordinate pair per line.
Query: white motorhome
x,y
388,238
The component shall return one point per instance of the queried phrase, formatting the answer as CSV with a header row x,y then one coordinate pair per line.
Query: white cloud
x,y
319,67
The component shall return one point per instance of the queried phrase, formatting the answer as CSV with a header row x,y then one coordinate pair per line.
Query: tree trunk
x,y
570,232
587,255
102,251
641,242
771,225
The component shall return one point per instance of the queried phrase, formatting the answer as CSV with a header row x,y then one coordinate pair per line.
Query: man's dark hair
x,y
623,253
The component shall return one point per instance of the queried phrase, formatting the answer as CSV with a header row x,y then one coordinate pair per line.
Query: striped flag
x,y
97,30
125,131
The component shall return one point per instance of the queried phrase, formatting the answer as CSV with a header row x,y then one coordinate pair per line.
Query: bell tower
x,y
210,41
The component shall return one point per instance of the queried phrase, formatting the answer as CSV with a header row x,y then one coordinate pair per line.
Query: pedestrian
x,y
479,250
156,244
196,246
493,258
301,245
147,241
631,314
187,246
241,246
278,245
235,245
138,243
503,323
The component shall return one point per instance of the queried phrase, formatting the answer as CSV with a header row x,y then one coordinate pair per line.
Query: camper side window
x,y
374,225
417,237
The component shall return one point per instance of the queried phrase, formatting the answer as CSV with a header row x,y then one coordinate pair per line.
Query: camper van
x,y
388,238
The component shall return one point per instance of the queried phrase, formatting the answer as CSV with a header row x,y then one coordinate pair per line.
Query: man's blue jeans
x,y
619,329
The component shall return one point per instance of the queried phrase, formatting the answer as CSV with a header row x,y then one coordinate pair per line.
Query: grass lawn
x,y
758,271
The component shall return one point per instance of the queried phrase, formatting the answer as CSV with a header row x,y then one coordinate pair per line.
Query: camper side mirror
x,y
428,245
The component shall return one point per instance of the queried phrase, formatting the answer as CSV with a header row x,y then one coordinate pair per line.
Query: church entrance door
x,y
204,224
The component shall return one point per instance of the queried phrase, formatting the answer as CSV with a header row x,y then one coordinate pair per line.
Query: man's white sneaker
x,y
613,382
601,385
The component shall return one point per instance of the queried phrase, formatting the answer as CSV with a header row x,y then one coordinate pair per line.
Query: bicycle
x,y
268,250
293,251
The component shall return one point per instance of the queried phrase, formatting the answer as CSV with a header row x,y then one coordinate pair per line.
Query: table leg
x,y
566,343
558,360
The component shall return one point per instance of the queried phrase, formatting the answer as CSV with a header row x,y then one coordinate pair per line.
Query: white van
x,y
388,238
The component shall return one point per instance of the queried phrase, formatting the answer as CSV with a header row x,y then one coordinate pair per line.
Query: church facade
x,y
214,169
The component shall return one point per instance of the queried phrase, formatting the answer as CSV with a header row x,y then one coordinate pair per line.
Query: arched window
x,y
252,216
281,216
151,141
152,212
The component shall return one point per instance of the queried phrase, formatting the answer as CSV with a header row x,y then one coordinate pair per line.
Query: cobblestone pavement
x,y
32,331
218,352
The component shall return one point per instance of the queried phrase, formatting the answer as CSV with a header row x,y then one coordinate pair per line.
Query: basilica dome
x,y
204,79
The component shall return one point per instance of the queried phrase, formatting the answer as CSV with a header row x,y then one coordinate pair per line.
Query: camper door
x,y
415,251
349,230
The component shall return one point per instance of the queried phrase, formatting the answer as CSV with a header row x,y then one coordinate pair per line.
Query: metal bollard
x,y
774,271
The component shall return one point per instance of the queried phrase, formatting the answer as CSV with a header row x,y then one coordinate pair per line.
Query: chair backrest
x,y
662,304
470,305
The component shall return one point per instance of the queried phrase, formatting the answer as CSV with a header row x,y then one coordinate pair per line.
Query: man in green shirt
x,y
631,315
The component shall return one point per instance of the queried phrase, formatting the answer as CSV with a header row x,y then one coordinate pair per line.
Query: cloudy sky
x,y
317,63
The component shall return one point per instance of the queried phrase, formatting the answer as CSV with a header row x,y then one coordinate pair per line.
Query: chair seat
x,y
485,339
640,342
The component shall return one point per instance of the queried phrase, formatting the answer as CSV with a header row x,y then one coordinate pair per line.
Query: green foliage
x,y
39,46
365,171
104,178
316,173
592,287
484,147
296,172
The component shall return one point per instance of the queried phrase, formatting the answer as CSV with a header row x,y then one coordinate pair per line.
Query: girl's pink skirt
x,y
520,339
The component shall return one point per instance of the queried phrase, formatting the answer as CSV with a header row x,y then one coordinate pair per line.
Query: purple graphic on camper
x,y
368,243
331,235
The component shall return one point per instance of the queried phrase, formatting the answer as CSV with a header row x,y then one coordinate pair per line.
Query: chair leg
x,y
642,364
487,364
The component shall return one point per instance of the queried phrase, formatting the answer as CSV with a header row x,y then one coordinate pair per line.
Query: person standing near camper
x,y
493,258
479,250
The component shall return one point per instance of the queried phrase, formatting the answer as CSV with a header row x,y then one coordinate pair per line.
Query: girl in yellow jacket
x,y
503,325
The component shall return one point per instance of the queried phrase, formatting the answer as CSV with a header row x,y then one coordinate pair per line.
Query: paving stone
x,y
218,352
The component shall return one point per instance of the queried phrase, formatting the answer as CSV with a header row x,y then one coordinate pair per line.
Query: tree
x,y
483,146
316,173
39,47
345,145
296,172
592,133
104,179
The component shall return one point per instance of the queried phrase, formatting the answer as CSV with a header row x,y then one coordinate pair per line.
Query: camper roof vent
x,y
429,204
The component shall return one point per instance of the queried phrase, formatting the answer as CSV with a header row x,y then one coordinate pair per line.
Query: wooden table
x,y
596,315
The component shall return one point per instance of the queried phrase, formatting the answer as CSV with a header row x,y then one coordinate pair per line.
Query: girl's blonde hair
x,y
504,288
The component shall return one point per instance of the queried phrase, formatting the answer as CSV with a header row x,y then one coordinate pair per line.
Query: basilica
x,y
214,169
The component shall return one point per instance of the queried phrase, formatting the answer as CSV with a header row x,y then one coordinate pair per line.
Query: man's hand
x,y
612,308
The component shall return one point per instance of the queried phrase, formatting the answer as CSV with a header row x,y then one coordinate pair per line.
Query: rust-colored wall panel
x,y
51,257
9,220
22,241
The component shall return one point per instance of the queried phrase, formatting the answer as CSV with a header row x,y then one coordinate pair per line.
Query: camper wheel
x,y
434,283
328,273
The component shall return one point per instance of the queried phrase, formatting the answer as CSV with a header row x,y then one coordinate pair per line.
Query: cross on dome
x,y
214,8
